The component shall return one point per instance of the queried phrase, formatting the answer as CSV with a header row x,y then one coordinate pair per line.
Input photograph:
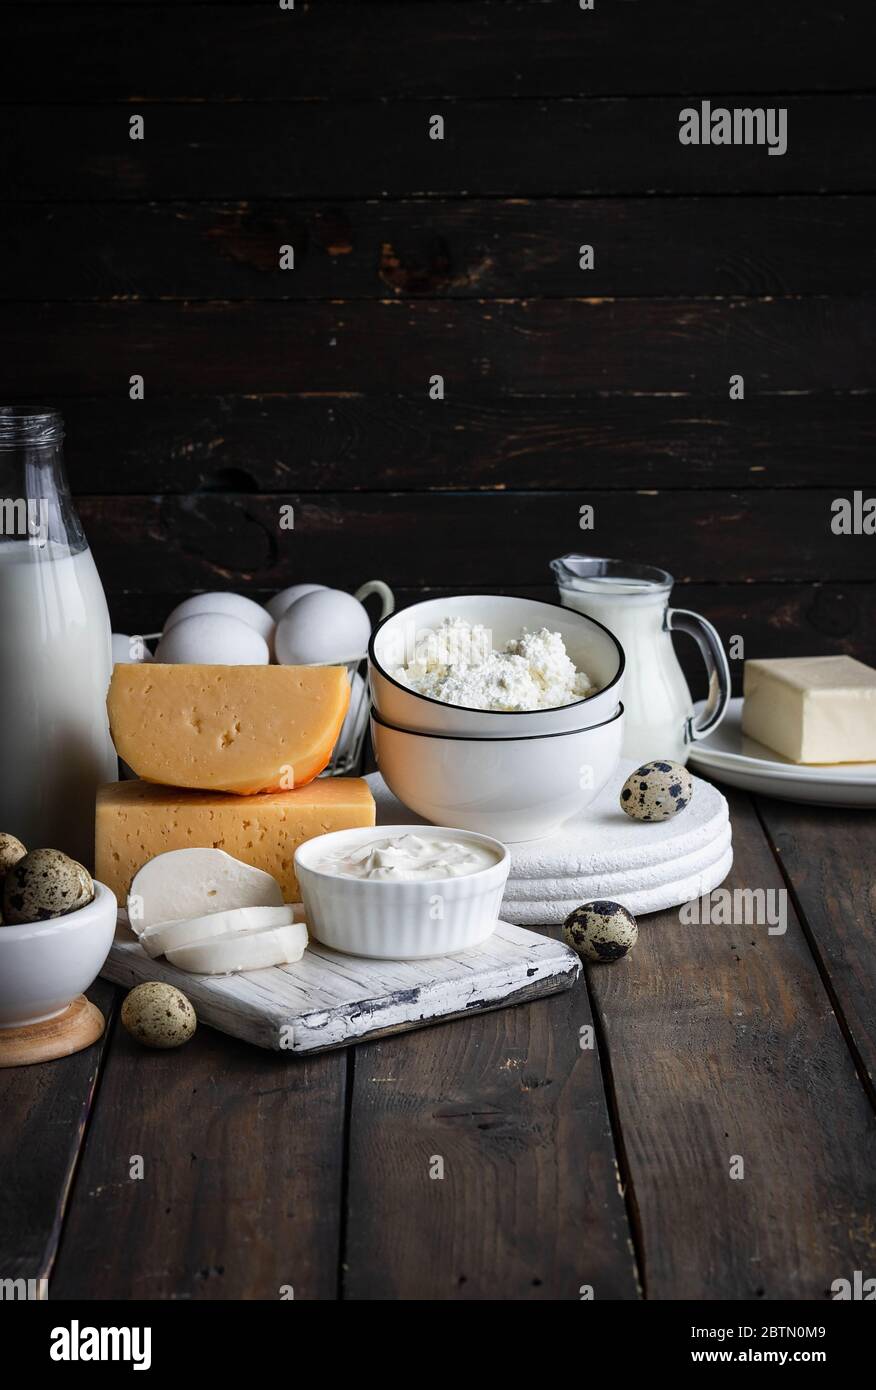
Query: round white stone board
x,y
604,853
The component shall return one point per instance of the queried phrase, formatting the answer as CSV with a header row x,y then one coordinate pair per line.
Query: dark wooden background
x,y
309,127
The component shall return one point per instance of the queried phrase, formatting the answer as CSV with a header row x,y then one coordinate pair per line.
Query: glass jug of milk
x,y
632,601
55,663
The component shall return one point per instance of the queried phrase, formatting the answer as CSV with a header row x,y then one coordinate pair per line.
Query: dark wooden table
x,y
564,1165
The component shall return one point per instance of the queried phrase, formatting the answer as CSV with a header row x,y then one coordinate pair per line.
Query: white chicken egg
x,y
245,610
283,601
212,639
327,626
129,651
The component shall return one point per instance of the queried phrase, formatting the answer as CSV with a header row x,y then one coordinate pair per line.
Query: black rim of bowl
x,y
500,738
505,713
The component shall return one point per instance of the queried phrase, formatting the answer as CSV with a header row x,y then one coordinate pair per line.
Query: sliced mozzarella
x,y
247,950
186,883
170,935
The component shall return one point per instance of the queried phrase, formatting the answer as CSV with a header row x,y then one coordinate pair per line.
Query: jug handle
x,y
717,668
387,597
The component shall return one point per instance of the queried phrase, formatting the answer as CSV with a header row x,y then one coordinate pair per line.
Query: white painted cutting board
x,y
329,999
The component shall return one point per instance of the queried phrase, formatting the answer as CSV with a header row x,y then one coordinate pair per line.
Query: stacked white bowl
x,y
513,775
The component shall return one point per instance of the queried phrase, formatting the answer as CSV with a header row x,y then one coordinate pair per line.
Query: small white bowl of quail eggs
x,y
56,931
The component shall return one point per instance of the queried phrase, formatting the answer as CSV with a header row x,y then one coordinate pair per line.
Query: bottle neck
x,y
35,501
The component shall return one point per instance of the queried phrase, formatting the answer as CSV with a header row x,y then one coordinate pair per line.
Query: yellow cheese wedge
x,y
137,820
236,729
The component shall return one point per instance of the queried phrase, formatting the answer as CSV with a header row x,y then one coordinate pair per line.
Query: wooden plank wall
x,y
309,127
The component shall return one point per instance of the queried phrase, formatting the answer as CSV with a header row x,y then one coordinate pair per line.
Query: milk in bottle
x,y
55,664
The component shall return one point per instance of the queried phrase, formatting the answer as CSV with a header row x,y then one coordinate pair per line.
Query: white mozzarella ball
x,y
212,639
245,610
129,651
283,601
326,626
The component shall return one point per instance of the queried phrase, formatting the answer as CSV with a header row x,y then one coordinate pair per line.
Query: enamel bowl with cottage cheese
x,y
402,892
492,666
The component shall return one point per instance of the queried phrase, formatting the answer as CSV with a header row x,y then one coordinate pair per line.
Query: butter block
x,y
136,820
812,709
240,729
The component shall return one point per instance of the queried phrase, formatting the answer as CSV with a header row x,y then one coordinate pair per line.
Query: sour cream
x,y
410,857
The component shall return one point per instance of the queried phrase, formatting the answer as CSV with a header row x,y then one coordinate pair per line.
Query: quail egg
x,y
212,639
159,1015
11,850
601,930
45,883
656,791
328,625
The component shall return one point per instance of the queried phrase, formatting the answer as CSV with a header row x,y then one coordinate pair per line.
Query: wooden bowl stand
x,y
77,1027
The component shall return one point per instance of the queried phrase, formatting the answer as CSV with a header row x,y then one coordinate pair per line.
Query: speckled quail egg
x,y
329,625
657,791
245,610
212,639
601,930
283,601
45,883
11,850
159,1015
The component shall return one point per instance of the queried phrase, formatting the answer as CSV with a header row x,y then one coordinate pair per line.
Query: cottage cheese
x,y
456,663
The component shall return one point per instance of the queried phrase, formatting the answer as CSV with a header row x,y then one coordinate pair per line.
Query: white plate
x,y
732,757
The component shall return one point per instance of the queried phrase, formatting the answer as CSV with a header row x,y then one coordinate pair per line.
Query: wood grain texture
x,y
241,1185
455,249
329,999
772,619
529,1206
331,51
722,1043
519,148
482,540
170,444
546,347
827,859
45,1111
311,128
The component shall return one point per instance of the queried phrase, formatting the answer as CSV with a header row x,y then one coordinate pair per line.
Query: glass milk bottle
x,y
632,601
55,663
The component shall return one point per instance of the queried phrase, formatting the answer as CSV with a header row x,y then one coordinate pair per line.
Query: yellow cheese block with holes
x,y
137,820
236,729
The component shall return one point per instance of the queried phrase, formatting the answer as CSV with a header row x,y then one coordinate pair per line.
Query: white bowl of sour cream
x,y
402,892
